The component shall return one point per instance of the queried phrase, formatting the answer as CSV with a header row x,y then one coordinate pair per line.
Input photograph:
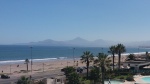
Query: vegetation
x,y
69,70
95,75
23,80
103,62
120,48
112,50
131,57
87,57
73,78
71,75
130,78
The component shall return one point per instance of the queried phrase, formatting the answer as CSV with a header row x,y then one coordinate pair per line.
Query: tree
x,y
120,49
131,57
147,55
23,80
71,75
112,50
69,70
87,57
95,75
103,62
73,78
27,62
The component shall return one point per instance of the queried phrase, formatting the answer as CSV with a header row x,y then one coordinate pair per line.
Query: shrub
x,y
130,78
121,77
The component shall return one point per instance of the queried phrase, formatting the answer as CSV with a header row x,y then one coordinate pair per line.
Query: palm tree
x,y
27,62
95,75
103,62
87,57
112,50
120,49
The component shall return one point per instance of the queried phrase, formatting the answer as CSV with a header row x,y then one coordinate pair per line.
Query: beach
x,y
19,69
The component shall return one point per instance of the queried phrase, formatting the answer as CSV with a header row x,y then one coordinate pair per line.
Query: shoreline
x,y
12,69
19,69
55,59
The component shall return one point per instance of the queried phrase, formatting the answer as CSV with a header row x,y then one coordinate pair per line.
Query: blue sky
x,y
24,21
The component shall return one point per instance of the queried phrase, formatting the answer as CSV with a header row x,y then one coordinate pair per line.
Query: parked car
x,y
3,76
79,69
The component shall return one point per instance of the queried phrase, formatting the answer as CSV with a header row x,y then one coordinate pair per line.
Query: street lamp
x,y
10,69
138,51
43,67
31,59
73,56
102,50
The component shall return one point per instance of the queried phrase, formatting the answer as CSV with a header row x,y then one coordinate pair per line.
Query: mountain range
x,y
80,42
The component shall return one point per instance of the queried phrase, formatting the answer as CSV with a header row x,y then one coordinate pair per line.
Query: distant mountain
x,y
80,42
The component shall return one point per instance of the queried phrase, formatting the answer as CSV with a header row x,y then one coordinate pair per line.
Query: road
x,y
40,75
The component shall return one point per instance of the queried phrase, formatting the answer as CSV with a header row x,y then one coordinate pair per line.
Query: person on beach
x,y
18,65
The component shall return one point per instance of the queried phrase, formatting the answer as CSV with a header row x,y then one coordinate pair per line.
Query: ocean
x,y
16,53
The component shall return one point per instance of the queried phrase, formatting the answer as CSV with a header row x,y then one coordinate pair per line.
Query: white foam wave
x,y
22,61
126,54
11,61
62,58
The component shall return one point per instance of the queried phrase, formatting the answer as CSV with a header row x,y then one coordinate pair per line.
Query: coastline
x,y
19,69
43,65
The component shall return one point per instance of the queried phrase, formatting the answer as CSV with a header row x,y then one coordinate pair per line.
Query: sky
x,y
23,21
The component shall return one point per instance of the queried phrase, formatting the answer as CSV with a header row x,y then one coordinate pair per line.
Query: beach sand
x,y
19,69
15,70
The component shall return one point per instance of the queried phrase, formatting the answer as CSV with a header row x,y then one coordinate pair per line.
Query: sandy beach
x,y
19,69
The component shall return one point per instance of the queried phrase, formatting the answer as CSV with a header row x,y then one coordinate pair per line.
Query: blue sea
x,y
13,53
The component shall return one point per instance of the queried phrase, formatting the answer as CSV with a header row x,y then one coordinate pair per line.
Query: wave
x,y
54,59
62,57
126,54
22,61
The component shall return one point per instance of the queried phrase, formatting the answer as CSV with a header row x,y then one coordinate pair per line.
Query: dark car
x,y
3,76
79,69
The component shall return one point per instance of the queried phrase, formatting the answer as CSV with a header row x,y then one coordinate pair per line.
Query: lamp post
x,y
102,50
43,67
10,69
138,52
73,57
31,58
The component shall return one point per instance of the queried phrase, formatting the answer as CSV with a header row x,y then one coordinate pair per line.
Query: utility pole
x,y
31,58
102,50
43,67
10,69
73,57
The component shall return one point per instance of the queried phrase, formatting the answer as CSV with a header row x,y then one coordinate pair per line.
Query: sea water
x,y
16,53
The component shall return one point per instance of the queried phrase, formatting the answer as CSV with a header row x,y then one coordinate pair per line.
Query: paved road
x,y
47,74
